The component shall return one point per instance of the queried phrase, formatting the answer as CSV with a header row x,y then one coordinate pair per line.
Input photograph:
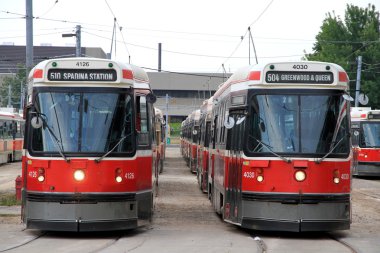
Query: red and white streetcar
x,y
88,163
11,136
160,137
204,141
281,148
365,125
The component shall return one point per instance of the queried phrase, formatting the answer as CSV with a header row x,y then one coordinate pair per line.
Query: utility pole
x,y
9,96
77,34
159,57
21,96
78,52
29,36
358,76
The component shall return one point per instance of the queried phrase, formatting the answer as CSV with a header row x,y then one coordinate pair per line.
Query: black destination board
x,y
91,75
299,77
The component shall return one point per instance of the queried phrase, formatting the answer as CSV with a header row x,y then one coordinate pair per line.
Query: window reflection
x,y
371,135
84,122
298,124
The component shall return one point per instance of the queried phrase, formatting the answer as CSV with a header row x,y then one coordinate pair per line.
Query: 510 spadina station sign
x,y
299,77
93,75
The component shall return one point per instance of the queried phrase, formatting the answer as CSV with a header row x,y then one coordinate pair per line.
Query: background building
x,y
11,57
186,91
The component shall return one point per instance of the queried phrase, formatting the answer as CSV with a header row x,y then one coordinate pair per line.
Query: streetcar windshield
x,y
371,135
303,124
87,122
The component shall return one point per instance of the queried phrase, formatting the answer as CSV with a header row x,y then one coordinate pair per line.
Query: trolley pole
x,y
358,76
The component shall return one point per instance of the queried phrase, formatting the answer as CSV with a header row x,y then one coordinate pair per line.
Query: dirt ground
x,y
170,204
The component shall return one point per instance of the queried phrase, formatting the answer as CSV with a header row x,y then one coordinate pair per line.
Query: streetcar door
x,y
234,147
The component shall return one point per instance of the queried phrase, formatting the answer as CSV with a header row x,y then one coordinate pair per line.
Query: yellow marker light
x,y
300,176
119,179
79,175
336,180
41,178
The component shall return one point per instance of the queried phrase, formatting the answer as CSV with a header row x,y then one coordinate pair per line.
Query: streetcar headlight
x,y
300,175
41,175
260,178
118,177
336,177
79,175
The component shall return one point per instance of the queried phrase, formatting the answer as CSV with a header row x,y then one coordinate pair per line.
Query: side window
x,y
2,129
207,134
151,125
142,121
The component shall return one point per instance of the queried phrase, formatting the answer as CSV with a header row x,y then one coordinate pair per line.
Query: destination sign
x,y
92,75
299,77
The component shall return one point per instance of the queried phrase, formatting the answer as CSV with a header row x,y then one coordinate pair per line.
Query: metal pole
x,y
159,57
167,117
249,47
9,96
358,76
21,96
29,36
78,52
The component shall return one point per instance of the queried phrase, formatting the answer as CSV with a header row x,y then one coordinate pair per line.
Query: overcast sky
x,y
196,35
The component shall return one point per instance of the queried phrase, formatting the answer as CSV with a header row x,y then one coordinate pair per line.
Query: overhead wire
x,y
47,11
245,34
189,54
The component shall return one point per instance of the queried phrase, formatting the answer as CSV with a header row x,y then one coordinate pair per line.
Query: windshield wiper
x,y
331,150
55,139
97,160
270,150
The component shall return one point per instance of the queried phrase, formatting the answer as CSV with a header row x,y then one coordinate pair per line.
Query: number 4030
x,y
300,66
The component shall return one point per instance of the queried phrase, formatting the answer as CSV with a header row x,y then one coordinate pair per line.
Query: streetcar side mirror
x,y
150,98
36,122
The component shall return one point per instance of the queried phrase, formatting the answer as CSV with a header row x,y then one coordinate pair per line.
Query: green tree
x,y
342,42
16,82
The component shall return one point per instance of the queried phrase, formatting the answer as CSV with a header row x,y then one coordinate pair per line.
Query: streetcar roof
x,y
86,71
285,75
364,113
10,116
